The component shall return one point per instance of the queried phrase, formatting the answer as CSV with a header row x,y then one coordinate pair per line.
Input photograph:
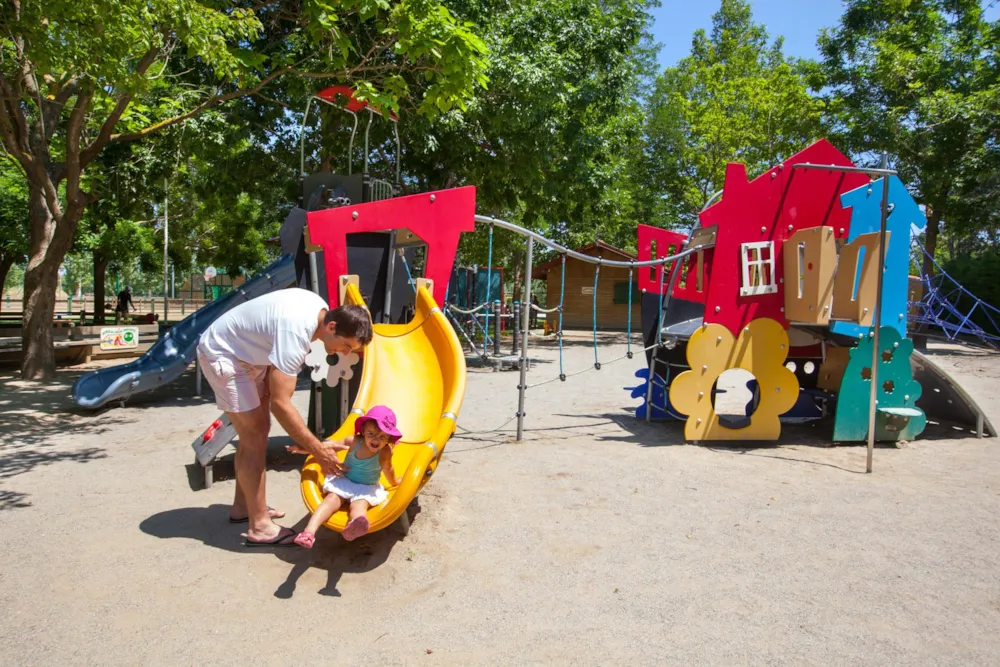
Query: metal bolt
x,y
773,174
698,422
718,339
782,309
841,230
777,388
826,308
790,228
901,316
747,329
763,229
895,344
354,215
782,346
906,398
701,394
433,198
704,368
810,307
717,309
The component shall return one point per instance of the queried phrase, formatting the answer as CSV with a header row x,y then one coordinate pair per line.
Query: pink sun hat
x,y
384,418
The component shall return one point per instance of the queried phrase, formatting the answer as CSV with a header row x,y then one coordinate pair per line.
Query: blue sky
x,y
799,21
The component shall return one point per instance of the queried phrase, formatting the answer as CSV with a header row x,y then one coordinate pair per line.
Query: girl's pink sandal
x,y
305,540
355,528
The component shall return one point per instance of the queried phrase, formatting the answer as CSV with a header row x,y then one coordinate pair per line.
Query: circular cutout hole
x,y
791,366
809,368
735,397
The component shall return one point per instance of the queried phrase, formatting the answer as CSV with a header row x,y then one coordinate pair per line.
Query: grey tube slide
x,y
168,357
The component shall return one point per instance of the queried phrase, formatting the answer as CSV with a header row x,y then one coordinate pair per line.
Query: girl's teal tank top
x,y
362,471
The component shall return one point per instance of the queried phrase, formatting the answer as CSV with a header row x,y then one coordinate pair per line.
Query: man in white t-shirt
x,y
251,357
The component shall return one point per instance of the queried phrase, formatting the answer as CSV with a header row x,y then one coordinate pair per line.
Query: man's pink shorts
x,y
238,386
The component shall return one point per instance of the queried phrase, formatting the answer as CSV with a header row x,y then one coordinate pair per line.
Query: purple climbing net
x,y
946,305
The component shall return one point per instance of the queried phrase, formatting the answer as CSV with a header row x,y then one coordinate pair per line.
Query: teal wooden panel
x,y
897,389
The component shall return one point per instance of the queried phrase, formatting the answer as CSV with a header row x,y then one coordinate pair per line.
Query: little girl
x,y
369,454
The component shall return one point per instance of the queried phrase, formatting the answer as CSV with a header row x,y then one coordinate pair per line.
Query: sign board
x,y
587,290
119,338
210,272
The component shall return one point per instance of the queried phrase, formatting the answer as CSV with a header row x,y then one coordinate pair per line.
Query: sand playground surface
x,y
599,540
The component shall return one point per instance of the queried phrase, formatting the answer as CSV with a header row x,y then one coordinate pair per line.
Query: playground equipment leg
x,y
525,313
516,329
209,475
197,377
404,522
979,424
877,314
496,328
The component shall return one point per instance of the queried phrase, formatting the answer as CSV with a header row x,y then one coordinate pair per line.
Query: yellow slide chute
x,y
417,370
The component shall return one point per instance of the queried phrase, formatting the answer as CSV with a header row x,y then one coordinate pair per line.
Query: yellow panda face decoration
x,y
761,349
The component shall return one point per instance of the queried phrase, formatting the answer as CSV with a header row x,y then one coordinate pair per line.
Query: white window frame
x,y
747,288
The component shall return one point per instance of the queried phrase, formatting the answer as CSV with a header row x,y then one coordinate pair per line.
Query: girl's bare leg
x,y
331,503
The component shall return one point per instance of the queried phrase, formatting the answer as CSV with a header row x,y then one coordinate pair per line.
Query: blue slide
x,y
166,360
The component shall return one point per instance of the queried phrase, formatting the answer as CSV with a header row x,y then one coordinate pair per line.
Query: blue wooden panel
x,y
865,203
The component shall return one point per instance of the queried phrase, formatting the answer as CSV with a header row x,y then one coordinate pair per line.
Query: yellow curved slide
x,y
417,370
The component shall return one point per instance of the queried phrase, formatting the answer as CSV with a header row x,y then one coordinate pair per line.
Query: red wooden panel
x,y
439,218
668,242
772,207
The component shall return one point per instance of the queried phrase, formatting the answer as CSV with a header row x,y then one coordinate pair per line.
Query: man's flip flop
x,y
355,528
282,539
270,510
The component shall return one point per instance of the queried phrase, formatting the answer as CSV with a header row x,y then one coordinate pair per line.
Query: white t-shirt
x,y
274,329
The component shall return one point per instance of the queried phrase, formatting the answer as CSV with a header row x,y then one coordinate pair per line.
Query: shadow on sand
x,y
209,525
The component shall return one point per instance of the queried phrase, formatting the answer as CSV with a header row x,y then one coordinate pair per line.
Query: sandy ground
x,y
599,540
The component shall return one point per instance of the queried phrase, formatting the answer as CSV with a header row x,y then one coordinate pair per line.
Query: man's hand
x,y
327,458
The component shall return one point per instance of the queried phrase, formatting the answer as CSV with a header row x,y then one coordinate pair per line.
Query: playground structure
x,y
780,278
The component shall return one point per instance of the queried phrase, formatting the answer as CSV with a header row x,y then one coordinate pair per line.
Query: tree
x,y
550,144
71,72
736,98
13,218
920,80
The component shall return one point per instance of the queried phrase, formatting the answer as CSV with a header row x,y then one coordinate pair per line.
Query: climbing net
x,y
528,307
946,305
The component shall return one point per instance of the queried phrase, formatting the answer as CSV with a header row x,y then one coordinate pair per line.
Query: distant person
x,y
369,455
124,302
533,323
251,357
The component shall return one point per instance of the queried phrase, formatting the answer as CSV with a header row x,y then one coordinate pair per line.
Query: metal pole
x,y
317,386
525,313
877,314
166,227
496,328
197,377
389,276
345,391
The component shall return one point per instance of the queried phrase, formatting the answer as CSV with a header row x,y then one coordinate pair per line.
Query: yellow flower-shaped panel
x,y
761,349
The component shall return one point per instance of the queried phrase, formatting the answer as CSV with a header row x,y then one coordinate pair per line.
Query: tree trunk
x,y
100,275
930,240
6,261
48,244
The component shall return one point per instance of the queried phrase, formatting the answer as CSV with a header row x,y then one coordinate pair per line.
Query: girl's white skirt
x,y
373,494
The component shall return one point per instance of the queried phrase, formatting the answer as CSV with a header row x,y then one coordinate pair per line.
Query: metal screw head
x,y
699,421
782,309
354,215
717,309
433,197
906,398
773,174
790,228
701,394
718,339
763,229
895,344
747,329
777,388
704,367
782,346
841,230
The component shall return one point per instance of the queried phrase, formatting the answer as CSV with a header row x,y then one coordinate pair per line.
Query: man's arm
x,y
282,387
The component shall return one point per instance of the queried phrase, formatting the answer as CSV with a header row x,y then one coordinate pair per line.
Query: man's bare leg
x,y
252,428
239,511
